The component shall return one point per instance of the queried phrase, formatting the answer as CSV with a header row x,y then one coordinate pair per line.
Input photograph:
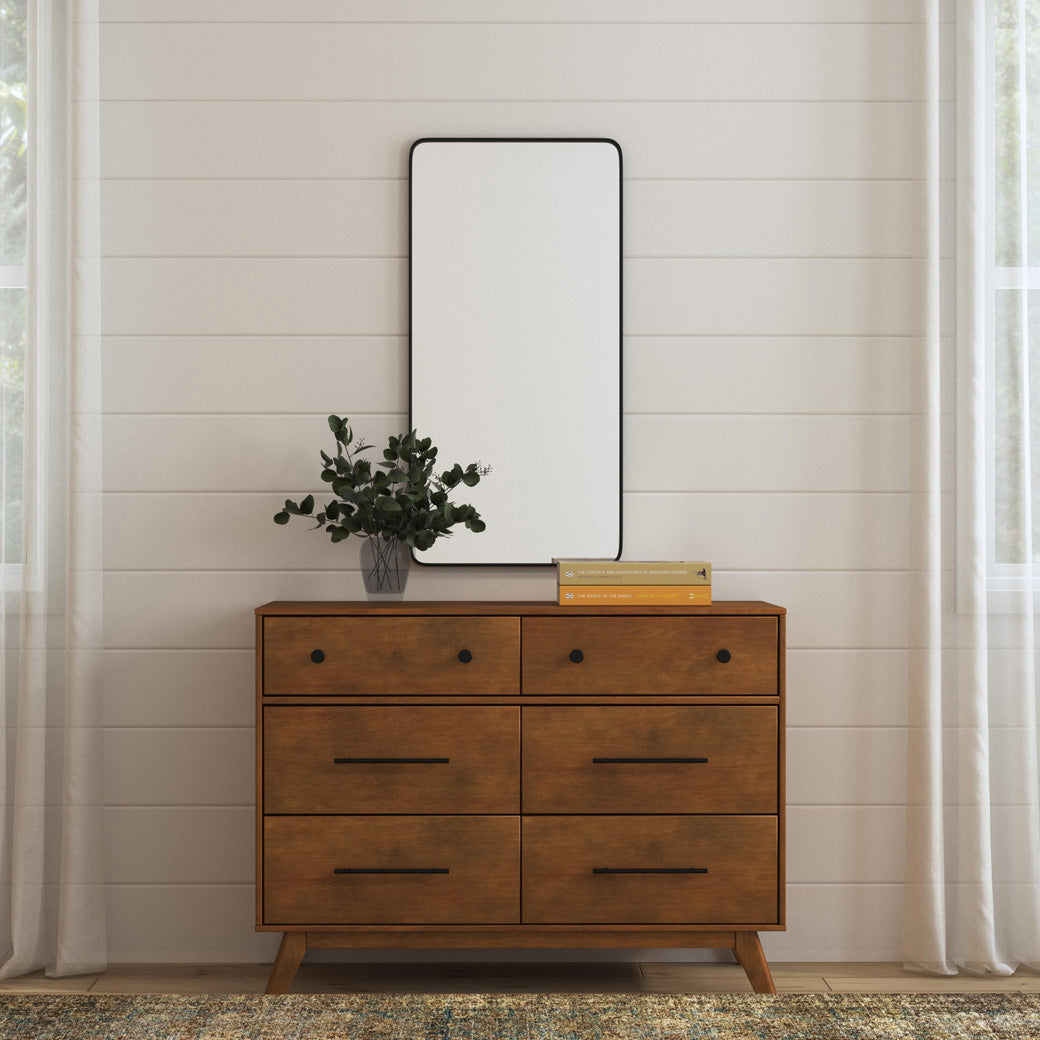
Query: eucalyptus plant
x,y
400,499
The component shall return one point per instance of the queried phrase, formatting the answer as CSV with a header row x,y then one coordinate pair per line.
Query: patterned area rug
x,y
525,1017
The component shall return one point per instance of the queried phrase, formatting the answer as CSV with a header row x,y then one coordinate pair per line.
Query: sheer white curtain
x,y
52,904
973,820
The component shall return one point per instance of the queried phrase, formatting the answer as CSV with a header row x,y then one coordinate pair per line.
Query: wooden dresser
x,y
519,775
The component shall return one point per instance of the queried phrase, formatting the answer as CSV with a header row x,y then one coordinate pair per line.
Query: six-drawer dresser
x,y
483,775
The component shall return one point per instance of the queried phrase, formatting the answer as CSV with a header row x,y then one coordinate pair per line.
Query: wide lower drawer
x,y
653,759
391,870
599,656
414,759
650,870
391,655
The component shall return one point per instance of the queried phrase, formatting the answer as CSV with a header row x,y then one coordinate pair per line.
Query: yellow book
x,y
635,595
633,572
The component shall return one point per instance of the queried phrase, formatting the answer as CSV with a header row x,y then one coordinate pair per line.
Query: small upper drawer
x,y
652,759
457,656
415,759
666,655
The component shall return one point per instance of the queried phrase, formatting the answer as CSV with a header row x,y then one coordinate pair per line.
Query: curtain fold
x,y
972,893
52,897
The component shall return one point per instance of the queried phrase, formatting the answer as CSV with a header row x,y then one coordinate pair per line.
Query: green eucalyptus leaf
x,y
281,518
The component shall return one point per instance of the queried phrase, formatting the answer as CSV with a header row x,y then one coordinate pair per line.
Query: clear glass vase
x,y
384,566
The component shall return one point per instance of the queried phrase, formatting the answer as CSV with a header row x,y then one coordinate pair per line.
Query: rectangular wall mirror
x,y
515,339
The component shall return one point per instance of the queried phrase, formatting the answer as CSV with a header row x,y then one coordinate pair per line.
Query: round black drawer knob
x,y
577,656
317,656
723,656
465,656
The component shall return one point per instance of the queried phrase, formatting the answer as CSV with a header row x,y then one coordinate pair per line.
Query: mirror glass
x,y
515,325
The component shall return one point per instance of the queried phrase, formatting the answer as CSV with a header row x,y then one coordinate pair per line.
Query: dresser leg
x,y
290,953
749,953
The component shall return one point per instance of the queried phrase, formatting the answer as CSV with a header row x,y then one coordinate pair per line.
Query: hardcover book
x,y
635,595
632,572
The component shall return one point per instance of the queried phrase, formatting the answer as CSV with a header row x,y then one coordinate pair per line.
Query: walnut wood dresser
x,y
519,775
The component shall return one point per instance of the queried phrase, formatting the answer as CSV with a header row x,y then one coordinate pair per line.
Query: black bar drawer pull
x,y
668,761
649,870
391,870
389,761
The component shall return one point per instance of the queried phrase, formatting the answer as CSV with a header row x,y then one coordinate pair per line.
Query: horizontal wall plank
x,y
180,767
169,845
840,766
839,923
158,845
847,687
767,453
155,688
255,217
171,924
770,531
663,374
776,374
185,688
845,844
858,610
330,296
743,375
318,375
269,296
292,218
474,61
530,10
185,531
853,140
277,453
199,923
214,609
865,766
280,453
810,218
769,297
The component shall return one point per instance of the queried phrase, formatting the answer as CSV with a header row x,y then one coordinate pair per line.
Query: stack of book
x,y
608,583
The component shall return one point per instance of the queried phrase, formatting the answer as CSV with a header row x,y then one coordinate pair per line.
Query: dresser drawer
x,y
612,870
391,869
391,655
391,760
652,759
650,655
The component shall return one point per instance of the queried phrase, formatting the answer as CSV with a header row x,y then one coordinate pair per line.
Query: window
x,y
13,264
1013,292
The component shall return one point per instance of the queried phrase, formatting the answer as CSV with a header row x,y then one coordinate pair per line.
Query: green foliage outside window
x,y
1016,245
13,187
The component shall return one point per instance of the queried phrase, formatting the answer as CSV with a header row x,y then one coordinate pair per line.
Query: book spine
x,y
634,595
609,573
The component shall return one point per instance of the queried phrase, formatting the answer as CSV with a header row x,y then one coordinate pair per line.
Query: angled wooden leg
x,y
290,953
749,954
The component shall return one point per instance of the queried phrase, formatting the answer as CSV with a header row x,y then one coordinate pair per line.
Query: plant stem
x,y
385,556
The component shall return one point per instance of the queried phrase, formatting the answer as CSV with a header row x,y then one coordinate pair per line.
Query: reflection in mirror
x,y
516,339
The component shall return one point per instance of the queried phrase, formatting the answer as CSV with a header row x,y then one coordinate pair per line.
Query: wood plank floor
x,y
820,977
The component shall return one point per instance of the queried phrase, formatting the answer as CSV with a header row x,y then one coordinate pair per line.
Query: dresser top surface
x,y
491,608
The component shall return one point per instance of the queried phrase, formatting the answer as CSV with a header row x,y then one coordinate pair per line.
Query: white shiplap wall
x,y
254,161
